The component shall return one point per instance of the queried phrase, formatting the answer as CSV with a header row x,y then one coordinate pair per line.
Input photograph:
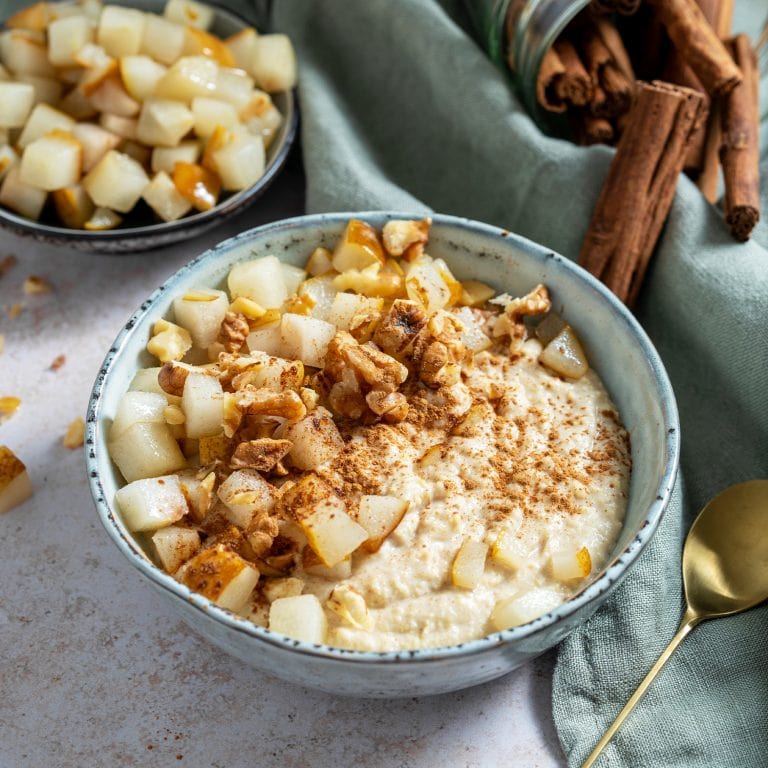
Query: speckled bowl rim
x,y
611,573
164,233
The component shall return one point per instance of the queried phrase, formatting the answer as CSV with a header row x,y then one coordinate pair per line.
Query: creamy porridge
x,y
371,454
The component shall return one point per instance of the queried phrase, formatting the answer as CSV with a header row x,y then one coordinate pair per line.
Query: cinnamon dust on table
x,y
663,81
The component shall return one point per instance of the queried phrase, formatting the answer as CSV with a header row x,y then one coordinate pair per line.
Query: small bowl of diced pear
x,y
126,127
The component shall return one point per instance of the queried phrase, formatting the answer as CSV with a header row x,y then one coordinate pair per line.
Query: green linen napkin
x,y
402,110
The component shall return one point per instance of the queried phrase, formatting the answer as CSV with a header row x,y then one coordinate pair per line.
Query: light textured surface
x,y
94,671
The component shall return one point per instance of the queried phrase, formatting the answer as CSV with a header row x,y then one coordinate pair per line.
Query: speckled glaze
x,y
617,348
144,232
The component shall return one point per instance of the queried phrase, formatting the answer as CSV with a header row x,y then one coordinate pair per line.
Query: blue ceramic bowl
x,y
617,348
140,230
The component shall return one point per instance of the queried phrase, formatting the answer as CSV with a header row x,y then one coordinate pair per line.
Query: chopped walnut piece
x,y
75,434
345,397
377,369
536,302
286,404
7,264
172,376
400,326
57,363
392,406
400,235
234,331
36,286
309,397
8,406
262,454
261,533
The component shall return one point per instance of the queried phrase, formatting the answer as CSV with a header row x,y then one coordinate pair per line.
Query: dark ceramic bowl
x,y
140,230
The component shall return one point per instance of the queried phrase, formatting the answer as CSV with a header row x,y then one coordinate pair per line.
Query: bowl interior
x,y
615,344
140,229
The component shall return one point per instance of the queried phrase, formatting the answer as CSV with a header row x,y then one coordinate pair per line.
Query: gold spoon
x,y
725,571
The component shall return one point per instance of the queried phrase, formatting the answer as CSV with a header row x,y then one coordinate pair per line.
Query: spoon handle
x,y
689,621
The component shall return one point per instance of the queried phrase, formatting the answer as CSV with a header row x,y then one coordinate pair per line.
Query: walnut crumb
x,y
57,363
75,434
36,286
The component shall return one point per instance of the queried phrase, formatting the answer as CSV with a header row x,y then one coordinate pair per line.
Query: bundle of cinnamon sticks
x,y
664,82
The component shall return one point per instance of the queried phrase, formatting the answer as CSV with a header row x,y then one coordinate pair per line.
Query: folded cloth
x,y
402,110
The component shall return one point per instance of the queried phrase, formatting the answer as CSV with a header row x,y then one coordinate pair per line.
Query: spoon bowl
x,y
725,571
725,561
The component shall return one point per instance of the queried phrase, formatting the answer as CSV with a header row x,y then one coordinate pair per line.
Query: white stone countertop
x,y
93,670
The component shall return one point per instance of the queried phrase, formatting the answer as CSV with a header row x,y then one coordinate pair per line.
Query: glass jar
x,y
517,33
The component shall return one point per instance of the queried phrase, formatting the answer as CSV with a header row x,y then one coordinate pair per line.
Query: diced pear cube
x,y
95,141
266,338
379,515
234,86
221,575
124,127
175,545
53,161
474,293
47,89
241,162
507,554
8,159
189,13
165,200
73,206
103,219
316,439
121,30
209,113
314,566
472,336
315,296
146,449
358,247
245,493
565,355
35,17
43,119
293,276
261,280
199,185
16,102
136,407
273,63
66,37
117,182
164,122
163,39
469,564
165,158
110,96
15,487
26,53
520,609
319,262
300,617
322,515
198,42
25,200
151,503
306,338
347,305
145,380
203,404
569,563
201,317
350,605
241,46
188,77
262,123
97,65
140,75
425,285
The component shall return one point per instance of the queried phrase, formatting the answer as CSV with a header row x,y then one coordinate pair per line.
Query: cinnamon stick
x,y
640,186
719,13
613,42
739,152
698,44
576,85
551,71
588,129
